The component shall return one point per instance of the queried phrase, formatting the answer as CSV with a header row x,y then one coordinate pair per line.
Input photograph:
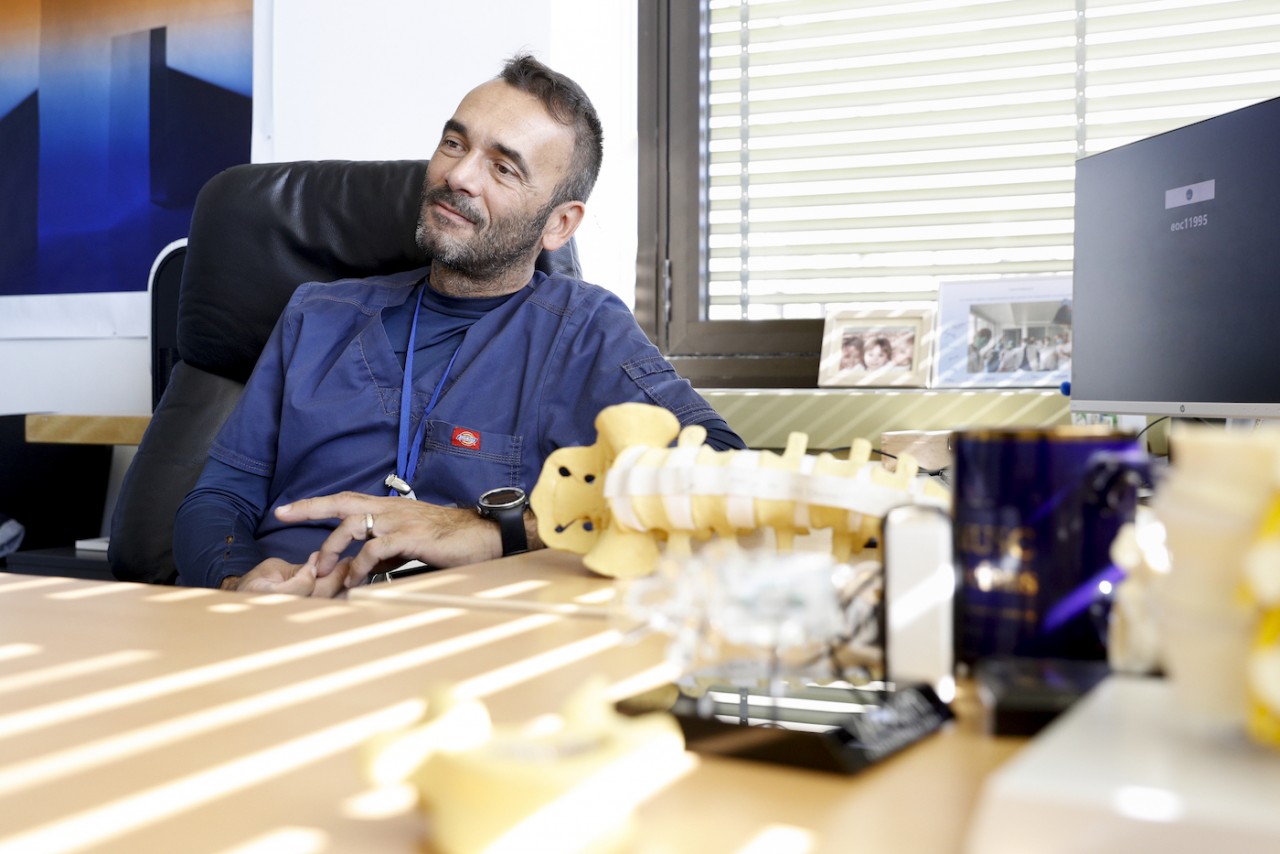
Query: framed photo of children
x,y
1013,332
876,347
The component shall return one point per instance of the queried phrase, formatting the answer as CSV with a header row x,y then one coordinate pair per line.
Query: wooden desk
x,y
87,429
138,718
544,581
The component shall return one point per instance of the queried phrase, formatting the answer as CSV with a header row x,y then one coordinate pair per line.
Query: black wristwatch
x,y
505,505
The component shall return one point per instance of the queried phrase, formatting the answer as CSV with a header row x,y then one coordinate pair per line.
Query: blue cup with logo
x,y
1035,513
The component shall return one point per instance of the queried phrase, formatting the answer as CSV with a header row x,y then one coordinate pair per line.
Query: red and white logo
x,y
464,438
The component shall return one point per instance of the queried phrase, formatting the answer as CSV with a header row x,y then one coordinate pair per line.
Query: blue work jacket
x,y
321,412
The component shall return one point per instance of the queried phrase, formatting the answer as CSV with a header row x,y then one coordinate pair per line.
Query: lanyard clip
x,y
396,483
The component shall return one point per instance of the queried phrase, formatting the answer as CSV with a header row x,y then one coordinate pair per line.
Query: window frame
x,y
671,261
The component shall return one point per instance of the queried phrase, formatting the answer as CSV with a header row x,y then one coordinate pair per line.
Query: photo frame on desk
x,y
877,347
1013,332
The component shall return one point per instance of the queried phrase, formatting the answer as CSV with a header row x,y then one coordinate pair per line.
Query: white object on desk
x,y
1124,771
919,591
931,448
94,544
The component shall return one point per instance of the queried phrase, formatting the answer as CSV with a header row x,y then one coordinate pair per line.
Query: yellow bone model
x,y
1262,589
616,500
567,783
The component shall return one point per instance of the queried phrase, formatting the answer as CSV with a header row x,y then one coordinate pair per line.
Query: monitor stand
x,y
1244,425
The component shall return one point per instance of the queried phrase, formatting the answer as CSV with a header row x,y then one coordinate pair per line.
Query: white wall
x,y
375,80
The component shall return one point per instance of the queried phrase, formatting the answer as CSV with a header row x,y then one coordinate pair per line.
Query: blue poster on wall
x,y
112,116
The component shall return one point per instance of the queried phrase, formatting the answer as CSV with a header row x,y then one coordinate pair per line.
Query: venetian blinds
x,y
864,150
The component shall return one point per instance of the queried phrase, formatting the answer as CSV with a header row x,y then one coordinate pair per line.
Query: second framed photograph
x,y
1004,332
877,348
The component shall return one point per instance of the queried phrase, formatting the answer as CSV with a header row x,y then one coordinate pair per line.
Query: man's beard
x,y
497,246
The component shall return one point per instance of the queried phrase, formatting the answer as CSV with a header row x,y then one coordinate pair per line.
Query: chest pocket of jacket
x,y
458,463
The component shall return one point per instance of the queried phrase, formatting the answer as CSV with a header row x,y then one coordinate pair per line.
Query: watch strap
x,y
511,525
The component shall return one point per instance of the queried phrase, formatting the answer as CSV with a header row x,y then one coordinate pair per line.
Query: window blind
x,y
863,151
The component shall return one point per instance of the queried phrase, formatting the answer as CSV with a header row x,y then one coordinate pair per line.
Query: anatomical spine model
x,y
615,501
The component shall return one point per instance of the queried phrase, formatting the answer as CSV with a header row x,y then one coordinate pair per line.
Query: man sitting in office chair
x,y
448,385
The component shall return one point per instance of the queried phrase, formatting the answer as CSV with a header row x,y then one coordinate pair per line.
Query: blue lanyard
x,y
406,453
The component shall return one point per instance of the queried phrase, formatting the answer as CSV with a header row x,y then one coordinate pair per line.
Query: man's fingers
x,y
300,583
350,529
335,583
393,530
371,557
336,506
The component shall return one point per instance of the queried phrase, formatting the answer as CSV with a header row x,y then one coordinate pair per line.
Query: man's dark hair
x,y
570,106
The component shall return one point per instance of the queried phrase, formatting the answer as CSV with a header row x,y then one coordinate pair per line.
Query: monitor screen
x,y
1176,286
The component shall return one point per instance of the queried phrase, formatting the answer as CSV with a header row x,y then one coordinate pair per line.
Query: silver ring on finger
x,y
368,526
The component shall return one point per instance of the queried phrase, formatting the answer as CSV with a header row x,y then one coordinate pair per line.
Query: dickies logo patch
x,y
464,438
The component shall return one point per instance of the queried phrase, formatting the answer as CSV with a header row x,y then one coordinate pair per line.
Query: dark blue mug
x,y
1035,513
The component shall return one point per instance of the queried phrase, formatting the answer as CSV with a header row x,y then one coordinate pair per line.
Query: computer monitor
x,y
1176,290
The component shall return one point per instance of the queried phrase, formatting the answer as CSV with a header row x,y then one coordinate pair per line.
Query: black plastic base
x,y
1020,696
833,728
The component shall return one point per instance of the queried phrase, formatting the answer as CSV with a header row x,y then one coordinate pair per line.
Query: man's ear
x,y
561,224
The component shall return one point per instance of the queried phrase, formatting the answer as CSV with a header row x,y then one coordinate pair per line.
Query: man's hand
x,y
274,575
403,530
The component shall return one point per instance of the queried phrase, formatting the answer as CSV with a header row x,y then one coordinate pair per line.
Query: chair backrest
x,y
257,232
165,285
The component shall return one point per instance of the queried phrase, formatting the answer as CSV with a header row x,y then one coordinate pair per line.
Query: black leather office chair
x,y
257,232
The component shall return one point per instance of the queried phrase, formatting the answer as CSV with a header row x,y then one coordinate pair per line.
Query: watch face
x,y
497,499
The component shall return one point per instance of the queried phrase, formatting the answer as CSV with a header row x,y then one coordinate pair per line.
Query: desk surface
x,y
139,718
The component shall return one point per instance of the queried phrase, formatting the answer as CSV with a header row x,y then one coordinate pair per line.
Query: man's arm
x,y
721,436
214,529
214,543
402,530
618,364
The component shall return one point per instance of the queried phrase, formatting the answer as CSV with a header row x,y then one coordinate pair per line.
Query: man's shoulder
x,y
563,294
367,293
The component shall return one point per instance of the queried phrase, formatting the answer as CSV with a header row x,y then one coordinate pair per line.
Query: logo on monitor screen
x,y
1188,195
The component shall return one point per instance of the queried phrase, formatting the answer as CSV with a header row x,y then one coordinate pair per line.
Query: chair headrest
x,y
260,230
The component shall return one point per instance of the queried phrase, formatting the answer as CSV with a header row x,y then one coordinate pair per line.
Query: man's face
x,y
489,185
